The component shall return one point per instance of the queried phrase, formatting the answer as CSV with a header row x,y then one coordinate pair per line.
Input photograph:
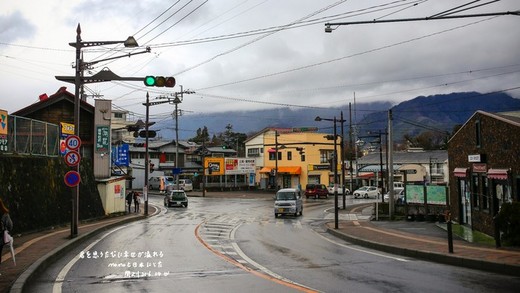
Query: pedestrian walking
x,y
129,198
6,225
137,199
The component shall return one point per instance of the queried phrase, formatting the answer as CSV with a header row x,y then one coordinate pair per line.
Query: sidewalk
x,y
427,241
35,250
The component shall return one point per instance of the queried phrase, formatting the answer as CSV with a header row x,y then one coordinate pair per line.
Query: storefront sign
x,y
102,138
3,131
474,158
479,168
319,167
239,166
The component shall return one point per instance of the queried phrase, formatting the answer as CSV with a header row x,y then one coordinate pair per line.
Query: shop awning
x,y
293,170
499,174
265,170
296,170
365,176
375,168
460,172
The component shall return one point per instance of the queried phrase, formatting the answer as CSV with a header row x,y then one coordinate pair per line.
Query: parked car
x,y
288,201
340,191
316,191
184,184
366,192
398,196
176,198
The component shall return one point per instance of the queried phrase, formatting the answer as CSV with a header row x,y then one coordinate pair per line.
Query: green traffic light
x,y
149,81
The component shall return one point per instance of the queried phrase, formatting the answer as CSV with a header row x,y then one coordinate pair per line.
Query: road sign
x,y
73,142
72,158
72,178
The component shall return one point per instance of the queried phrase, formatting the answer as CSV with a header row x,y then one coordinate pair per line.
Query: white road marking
x,y
58,282
361,250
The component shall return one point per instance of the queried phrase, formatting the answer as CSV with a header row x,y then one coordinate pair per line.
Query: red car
x,y
316,191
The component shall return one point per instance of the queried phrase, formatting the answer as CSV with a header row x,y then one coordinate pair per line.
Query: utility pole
x,y
343,163
335,162
351,148
390,146
177,101
276,159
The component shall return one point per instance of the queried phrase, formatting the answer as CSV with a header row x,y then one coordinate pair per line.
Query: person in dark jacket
x,y
6,224
129,199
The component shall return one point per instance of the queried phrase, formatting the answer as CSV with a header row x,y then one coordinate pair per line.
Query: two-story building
x,y
484,156
290,157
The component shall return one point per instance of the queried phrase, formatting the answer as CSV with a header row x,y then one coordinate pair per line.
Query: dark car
x,y
316,191
176,198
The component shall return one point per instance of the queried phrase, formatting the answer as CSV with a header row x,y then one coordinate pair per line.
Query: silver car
x,y
288,201
176,198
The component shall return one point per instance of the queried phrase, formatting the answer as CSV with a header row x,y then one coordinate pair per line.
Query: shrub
x,y
509,223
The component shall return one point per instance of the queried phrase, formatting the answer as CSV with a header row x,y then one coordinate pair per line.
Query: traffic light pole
x,y
78,79
335,177
146,154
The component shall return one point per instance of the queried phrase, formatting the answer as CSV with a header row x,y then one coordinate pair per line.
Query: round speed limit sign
x,y
73,142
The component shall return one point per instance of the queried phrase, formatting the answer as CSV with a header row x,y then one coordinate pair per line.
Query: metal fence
x,y
29,136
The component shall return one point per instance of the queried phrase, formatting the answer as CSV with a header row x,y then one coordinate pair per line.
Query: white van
x,y
184,184
160,183
288,201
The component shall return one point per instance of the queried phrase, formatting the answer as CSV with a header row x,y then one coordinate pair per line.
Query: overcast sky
x,y
245,55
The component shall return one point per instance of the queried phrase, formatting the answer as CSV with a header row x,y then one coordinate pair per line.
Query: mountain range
x,y
438,113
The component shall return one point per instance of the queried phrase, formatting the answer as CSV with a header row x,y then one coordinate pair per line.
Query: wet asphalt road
x,y
236,245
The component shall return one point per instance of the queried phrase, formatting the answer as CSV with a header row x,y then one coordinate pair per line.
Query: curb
x,y
431,256
44,262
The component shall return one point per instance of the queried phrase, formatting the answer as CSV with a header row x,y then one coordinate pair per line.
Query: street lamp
x,y
78,83
335,165
378,136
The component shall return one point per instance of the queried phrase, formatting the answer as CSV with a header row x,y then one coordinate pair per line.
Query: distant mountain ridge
x,y
436,112
440,113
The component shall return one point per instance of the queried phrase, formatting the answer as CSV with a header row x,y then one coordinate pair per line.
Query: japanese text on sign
x,y
102,138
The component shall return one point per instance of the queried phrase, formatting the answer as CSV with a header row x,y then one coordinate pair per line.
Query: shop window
x,y
475,192
325,155
485,194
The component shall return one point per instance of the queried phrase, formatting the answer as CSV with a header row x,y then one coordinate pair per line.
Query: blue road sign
x,y
72,178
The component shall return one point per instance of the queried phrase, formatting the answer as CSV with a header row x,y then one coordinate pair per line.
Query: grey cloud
x,y
14,26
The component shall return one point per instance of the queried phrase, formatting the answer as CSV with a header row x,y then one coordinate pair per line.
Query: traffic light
x,y
301,150
151,133
159,81
152,167
329,137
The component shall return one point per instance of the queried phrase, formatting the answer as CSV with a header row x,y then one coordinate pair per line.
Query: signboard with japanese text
x,y
102,138
3,131
120,155
214,166
66,129
239,166
312,167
